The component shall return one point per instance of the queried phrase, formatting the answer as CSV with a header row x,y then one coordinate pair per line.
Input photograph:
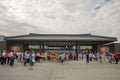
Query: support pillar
x,y
76,49
40,49
43,48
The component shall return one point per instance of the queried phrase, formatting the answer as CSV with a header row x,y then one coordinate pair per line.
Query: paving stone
x,y
75,70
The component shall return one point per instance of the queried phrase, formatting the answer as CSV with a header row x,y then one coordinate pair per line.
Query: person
x,y
74,56
110,57
48,57
67,58
32,60
3,57
37,57
95,56
62,57
70,56
87,57
18,54
104,57
26,58
116,57
8,58
91,56
12,57
0,56
99,57
58,57
82,56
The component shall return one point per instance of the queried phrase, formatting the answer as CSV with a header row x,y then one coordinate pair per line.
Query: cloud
x,y
100,17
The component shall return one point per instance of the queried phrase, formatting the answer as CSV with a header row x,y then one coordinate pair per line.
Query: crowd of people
x,y
103,57
10,57
32,57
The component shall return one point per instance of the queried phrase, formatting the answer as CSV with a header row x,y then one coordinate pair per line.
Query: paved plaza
x,y
75,70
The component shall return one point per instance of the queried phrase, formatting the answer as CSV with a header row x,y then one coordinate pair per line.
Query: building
x,y
2,43
58,42
113,47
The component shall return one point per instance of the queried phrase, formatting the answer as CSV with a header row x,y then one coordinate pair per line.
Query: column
x,y
43,48
40,49
76,49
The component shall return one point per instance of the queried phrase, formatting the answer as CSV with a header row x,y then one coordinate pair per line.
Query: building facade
x,y
114,47
58,42
2,43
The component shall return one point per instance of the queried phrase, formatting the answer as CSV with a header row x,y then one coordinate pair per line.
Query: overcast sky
x,y
98,17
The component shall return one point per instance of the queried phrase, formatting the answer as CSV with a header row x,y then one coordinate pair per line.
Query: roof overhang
x,y
60,37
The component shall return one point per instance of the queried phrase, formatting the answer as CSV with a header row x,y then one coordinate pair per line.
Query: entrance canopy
x,y
62,37
58,40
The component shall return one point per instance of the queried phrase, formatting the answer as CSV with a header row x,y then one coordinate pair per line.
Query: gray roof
x,y
60,37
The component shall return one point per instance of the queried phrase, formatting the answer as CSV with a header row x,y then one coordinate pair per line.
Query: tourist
x,y
104,57
70,56
99,57
95,56
58,57
67,58
116,57
12,57
91,56
37,57
82,56
8,58
3,58
32,60
18,54
110,57
62,57
26,58
48,57
87,57
74,56
0,56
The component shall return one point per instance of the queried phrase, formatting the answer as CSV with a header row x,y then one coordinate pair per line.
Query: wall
x,y
117,47
114,47
2,45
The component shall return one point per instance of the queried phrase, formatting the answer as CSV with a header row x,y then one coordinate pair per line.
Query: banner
x,y
15,48
104,49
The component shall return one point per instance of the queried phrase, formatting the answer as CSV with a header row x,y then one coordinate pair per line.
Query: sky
x,y
98,17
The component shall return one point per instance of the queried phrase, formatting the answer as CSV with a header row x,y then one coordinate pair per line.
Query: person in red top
x,y
116,57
